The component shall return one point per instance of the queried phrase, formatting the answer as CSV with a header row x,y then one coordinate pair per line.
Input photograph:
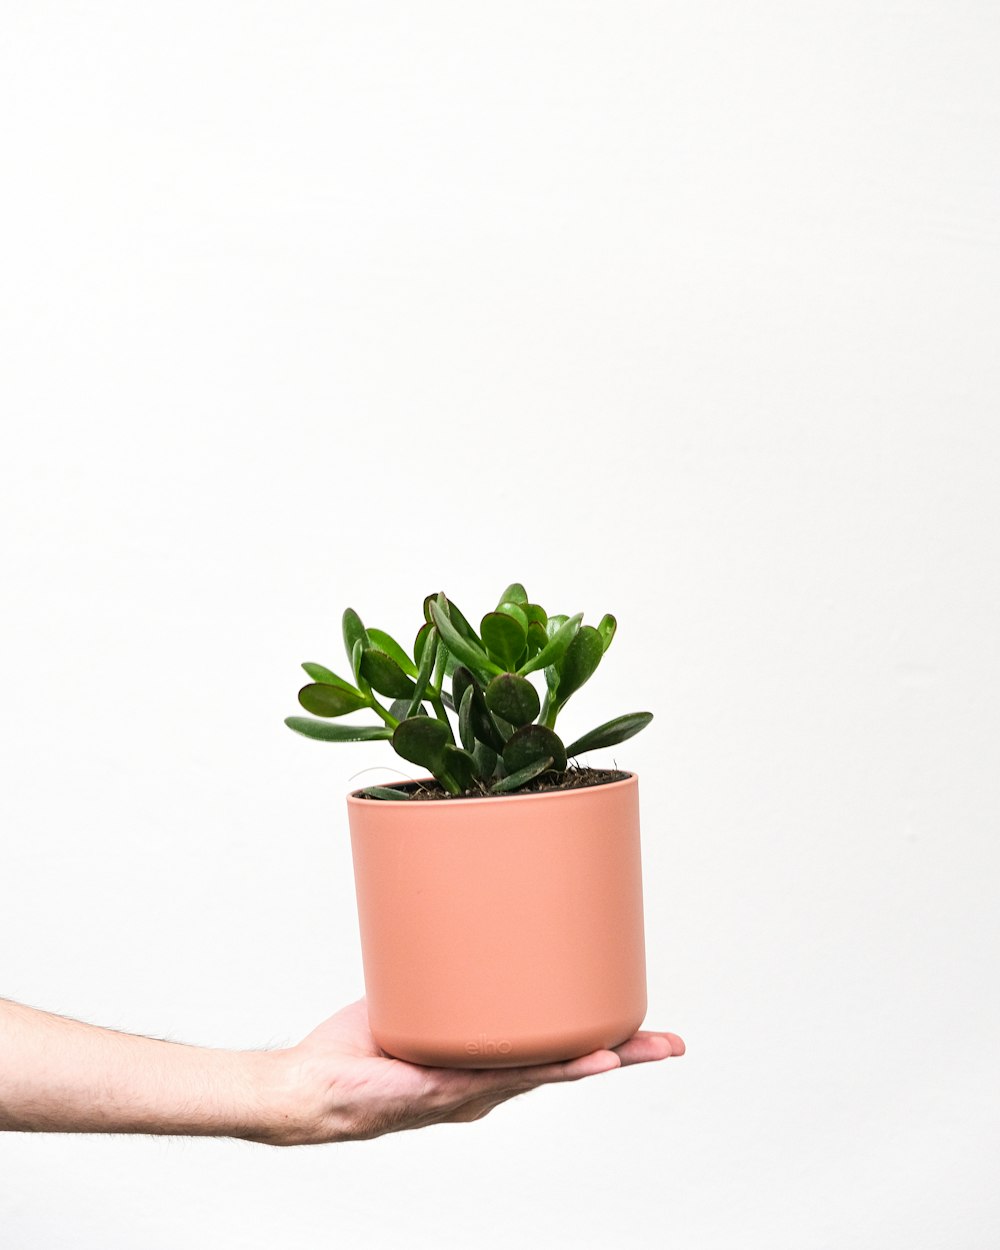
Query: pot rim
x,y
630,779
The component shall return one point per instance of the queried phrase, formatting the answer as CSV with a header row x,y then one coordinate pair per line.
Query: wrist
x,y
283,1112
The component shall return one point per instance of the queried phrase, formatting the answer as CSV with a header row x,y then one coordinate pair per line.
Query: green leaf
x,y
534,613
420,642
611,732
580,661
606,628
359,677
514,781
465,651
461,766
353,630
385,792
534,742
454,615
318,673
537,638
384,674
462,679
483,724
461,624
513,698
486,761
555,648
324,700
428,655
515,593
400,709
465,730
385,642
323,731
504,637
421,740
554,623
444,661
518,614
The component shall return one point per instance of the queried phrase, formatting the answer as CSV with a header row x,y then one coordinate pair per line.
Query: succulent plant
x,y
506,734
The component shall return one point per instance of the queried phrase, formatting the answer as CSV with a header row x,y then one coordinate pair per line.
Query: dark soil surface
x,y
574,778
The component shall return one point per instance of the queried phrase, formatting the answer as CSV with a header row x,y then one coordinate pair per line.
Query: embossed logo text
x,y
485,1046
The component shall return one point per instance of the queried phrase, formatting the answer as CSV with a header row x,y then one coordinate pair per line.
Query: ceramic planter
x,y
501,931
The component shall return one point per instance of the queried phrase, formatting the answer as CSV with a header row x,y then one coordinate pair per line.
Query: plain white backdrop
x,y
684,312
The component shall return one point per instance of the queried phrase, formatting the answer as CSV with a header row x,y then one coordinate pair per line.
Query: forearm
x,y
63,1076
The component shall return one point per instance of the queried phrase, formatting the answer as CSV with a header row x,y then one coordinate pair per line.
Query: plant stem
x,y
449,783
379,710
440,713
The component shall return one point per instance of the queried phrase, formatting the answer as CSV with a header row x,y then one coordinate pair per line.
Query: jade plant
x,y
506,735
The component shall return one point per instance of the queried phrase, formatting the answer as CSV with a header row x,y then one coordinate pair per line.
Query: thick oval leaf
x,y
514,781
537,638
555,648
428,656
483,725
353,630
504,638
513,698
611,732
515,593
359,677
518,613
384,792
318,673
580,661
606,628
486,761
385,642
465,651
461,766
454,615
531,743
323,700
400,709
466,733
421,740
461,624
421,641
323,731
534,613
461,680
384,674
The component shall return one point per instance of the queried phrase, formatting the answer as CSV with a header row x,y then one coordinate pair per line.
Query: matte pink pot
x,y
501,931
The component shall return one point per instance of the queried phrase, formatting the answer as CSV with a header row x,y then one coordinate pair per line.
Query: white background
x,y
684,312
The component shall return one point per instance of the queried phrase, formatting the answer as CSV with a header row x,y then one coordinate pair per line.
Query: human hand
x,y
339,1085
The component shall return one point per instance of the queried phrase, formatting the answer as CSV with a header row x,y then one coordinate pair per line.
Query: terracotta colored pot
x,y
501,931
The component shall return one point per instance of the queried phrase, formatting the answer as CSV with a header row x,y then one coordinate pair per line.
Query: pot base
x,y
484,1051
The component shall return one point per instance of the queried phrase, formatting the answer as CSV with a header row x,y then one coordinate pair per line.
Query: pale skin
x,y
63,1076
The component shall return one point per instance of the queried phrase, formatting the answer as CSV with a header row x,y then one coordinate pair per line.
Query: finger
x,y
461,1084
530,1077
647,1047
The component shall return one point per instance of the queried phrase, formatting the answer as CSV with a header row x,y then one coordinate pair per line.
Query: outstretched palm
x,y
360,1092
